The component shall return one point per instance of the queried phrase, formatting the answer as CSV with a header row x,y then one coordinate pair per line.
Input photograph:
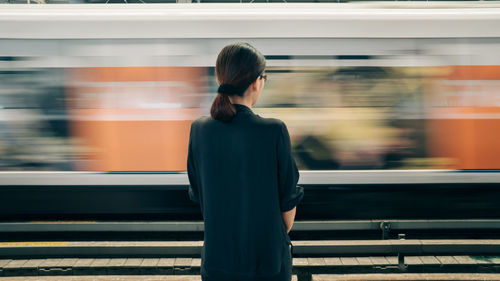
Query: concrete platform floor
x,y
110,278
412,276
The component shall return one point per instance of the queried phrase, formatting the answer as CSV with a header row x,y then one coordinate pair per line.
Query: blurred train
x,y
112,90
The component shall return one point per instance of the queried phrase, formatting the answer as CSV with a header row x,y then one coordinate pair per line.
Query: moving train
x,y
94,98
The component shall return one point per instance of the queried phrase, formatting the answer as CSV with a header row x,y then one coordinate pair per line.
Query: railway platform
x,y
318,277
305,268
325,258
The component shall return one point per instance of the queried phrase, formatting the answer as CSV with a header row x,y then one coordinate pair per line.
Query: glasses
x,y
263,76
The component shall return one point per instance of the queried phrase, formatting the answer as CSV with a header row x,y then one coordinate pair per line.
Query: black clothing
x,y
284,275
243,175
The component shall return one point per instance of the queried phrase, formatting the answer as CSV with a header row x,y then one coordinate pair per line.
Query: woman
x,y
242,173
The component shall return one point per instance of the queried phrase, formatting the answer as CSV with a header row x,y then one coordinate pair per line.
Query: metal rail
x,y
197,226
372,177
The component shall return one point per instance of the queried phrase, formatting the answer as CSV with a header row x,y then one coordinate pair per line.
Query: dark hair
x,y
237,67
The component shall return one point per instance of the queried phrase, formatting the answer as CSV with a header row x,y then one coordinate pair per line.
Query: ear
x,y
255,84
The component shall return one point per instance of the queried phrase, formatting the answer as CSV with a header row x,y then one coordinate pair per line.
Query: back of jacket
x,y
243,175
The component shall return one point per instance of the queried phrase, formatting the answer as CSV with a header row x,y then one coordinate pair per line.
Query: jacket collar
x,y
242,108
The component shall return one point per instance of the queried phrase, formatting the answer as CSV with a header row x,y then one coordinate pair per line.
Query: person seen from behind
x,y
242,173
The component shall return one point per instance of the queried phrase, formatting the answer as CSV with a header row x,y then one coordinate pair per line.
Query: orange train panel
x,y
135,145
134,74
468,132
123,128
471,143
475,72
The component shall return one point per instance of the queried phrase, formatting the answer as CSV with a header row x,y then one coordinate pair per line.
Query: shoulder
x,y
273,124
197,125
200,121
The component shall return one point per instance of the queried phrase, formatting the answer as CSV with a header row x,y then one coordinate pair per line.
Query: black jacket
x,y
243,175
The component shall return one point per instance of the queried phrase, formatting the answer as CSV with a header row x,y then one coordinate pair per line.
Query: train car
x,y
93,98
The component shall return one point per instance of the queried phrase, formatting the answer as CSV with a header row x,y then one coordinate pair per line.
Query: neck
x,y
239,100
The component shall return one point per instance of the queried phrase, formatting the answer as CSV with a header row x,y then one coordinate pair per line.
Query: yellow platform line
x,y
32,244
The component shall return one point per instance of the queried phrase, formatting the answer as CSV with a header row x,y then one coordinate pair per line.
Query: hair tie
x,y
228,90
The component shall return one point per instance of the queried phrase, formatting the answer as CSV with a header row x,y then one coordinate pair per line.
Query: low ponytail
x,y
237,66
222,109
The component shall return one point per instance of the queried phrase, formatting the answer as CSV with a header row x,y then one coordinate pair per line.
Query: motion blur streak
x,y
400,99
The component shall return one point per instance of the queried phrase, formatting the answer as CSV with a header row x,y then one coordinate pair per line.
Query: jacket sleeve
x,y
288,175
193,186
